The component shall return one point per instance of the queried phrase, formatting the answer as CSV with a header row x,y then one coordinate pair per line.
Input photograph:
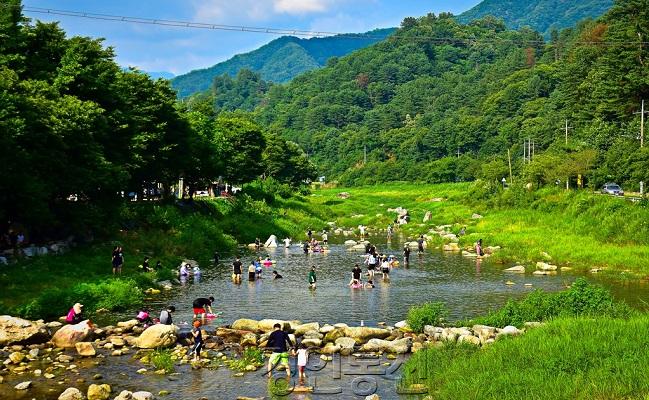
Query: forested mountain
x,y
441,101
280,60
541,15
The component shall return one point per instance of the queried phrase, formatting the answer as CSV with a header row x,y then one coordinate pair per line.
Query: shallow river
x,y
468,287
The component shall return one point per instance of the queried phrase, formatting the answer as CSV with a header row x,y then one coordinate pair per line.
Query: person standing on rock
x,y
478,248
198,341
277,341
236,270
165,315
202,307
325,238
312,278
75,315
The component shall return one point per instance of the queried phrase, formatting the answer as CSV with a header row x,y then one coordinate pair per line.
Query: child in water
x,y
198,341
302,359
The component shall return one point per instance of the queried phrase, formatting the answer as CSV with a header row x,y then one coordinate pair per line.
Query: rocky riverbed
x,y
52,360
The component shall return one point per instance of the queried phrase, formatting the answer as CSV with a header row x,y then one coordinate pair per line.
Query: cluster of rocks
x,y
33,250
55,347
346,340
36,349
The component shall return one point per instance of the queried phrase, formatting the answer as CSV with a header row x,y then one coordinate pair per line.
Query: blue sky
x,y
179,50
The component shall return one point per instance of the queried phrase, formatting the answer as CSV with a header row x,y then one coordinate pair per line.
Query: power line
x,y
302,33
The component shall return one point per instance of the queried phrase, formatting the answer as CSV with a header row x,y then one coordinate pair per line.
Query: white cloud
x,y
301,6
227,11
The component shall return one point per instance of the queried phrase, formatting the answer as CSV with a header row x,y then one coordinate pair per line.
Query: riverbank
x,y
594,340
575,229
45,286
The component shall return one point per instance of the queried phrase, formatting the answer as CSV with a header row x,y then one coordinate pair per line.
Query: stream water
x,y
467,286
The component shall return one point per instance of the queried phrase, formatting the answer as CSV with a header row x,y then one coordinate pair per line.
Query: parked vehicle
x,y
612,188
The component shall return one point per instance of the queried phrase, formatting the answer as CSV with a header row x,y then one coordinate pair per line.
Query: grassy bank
x,y
577,229
45,287
581,358
590,347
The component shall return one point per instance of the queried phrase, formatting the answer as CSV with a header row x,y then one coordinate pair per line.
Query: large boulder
x,y
304,328
334,334
361,334
267,325
231,335
158,336
70,335
21,331
330,348
249,339
545,266
346,345
85,349
128,325
71,394
246,325
98,392
518,269
312,342
401,346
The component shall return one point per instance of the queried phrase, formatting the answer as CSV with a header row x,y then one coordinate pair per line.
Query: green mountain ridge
x,y
408,109
280,60
541,15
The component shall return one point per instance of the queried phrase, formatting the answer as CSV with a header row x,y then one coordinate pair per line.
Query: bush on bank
x,y
581,299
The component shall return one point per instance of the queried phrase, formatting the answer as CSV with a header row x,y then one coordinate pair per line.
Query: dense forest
x,y
280,60
442,101
78,134
541,15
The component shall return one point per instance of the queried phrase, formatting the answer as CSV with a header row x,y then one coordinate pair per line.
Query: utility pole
x,y
567,127
511,176
642,113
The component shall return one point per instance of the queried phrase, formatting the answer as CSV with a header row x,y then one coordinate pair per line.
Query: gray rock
x,y
23,385
21,331
143,396
71,394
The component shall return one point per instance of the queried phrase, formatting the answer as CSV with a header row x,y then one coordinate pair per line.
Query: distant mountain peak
x,y
280,60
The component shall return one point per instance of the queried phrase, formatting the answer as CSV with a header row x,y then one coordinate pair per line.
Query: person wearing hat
x,y
75,315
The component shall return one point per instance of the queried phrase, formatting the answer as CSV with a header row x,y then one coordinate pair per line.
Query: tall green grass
x,y
580,358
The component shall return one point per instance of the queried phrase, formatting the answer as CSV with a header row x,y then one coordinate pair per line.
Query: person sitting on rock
x,y
144,318
75,315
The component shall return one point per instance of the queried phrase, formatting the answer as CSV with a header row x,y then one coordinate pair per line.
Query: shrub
x,y
426,314
582,299
161,359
